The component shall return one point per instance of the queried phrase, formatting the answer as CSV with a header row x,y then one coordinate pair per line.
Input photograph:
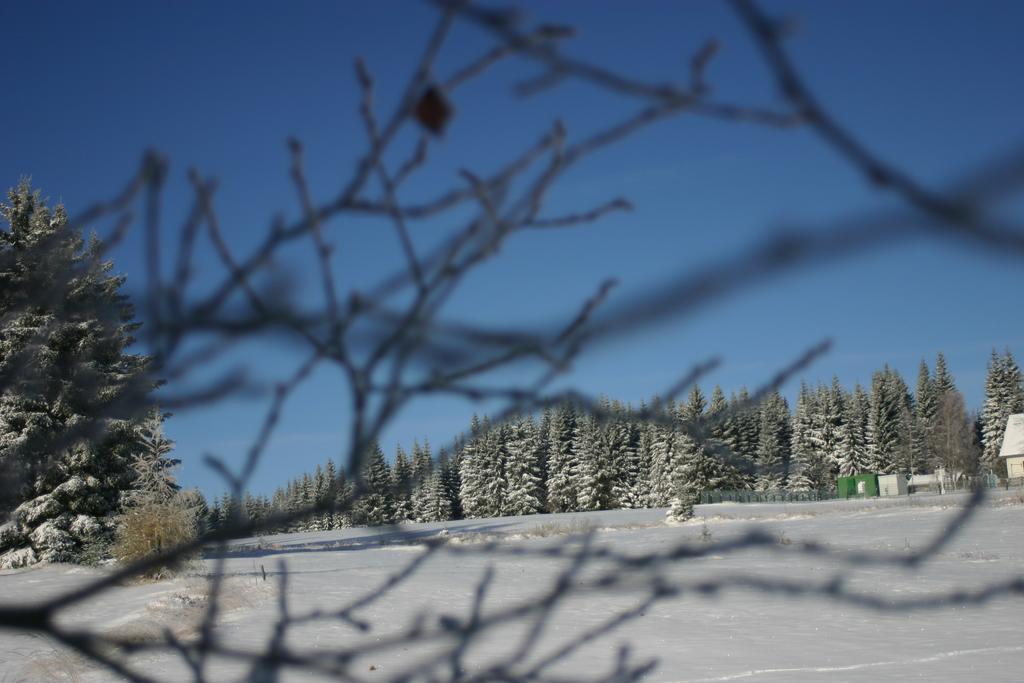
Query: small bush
x,y
682,505
151,527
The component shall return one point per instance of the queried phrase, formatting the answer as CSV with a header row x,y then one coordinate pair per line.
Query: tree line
x,y
664,453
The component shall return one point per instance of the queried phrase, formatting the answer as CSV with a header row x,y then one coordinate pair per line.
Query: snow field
x,y
754,628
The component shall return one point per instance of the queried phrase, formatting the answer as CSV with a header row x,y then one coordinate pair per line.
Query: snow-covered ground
x,y
743,632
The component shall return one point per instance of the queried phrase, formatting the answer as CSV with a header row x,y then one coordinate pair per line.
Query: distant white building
x,y
893,484
1013,446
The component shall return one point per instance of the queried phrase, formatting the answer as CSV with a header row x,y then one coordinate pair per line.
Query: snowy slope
x,y
737,634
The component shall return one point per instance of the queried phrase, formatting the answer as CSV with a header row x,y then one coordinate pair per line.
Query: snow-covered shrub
x,y
53,541
682,506
18,558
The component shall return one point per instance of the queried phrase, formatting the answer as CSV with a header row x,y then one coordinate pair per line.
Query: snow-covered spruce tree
x,y
376,504
596,476
525,492
926,405
682,504
318,498
692,411
422,468
665,452
472,473
698,470
943,380
451,477
543,449
889,437
600,477
493,461
773,450
71,397
483,471
402,478
632,489
801,442
741,432
698,465
853,438
1004,396
562,462
721,428
717,410
437,505
152,463
705,463
827,422
330,495
341,516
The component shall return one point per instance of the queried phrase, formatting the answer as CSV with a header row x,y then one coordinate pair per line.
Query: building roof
x,y
1013,439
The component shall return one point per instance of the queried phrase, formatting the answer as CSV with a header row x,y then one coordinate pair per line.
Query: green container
x,y
857,486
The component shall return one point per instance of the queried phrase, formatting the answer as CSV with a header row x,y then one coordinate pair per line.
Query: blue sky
x,y
932,85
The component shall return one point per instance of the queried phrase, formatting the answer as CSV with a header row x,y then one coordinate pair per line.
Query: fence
x,y
777,496
949,485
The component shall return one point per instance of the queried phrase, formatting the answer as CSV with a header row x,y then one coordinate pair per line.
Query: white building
x,y
893,484
1013,446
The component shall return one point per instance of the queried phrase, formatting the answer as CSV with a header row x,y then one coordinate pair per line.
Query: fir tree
x,y
403,482
451,478
495,458
926,404
375,505
889,436
632,488
330,499
800,470
472,472
422,468
741,433
562,494
342,516
826,427
853,438
644,463
596,446
153,465
319,499
525,493
718,408
698,470
71,409
682,504
773,451
692,412
665,453
1004,396
437,506
544,448
943,380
